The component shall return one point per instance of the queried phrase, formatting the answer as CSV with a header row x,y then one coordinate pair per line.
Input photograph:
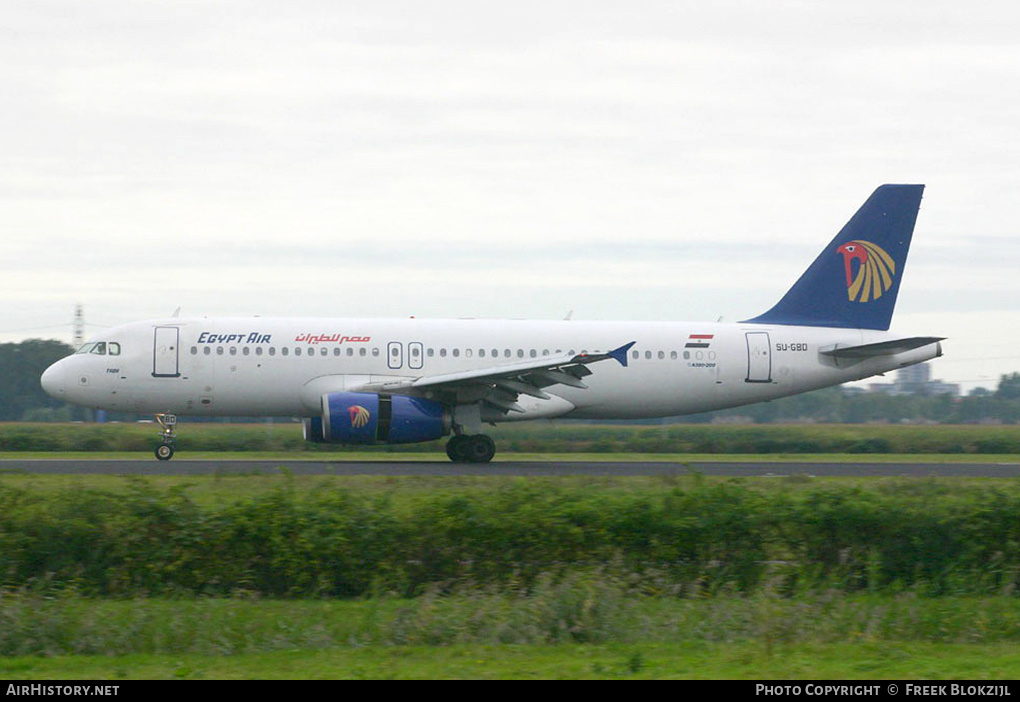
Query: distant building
x,y
915,380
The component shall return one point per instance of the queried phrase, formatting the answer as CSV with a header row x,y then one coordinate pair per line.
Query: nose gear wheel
x,y
168,424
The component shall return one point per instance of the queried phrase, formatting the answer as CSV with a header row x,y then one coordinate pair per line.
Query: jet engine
x,y
369,418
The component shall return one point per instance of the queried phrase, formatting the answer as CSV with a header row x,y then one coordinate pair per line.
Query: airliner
x,y
388,381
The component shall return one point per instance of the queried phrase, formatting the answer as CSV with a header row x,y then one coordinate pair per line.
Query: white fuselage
x,y
282,367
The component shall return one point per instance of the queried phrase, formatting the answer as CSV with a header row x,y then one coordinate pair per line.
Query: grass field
x,y
517,456
109,578
698,661
596,618
539,438
460,637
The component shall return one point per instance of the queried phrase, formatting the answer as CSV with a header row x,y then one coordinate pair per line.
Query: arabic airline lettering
x,y
367,381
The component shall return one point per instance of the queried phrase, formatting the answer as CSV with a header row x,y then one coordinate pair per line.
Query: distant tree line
x,y
842,406
23,399
21,396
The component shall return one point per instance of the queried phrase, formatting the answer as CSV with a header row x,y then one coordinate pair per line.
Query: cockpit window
x,y
101,348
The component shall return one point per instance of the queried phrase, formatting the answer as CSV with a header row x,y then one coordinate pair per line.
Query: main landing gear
x,y
477,448
168,423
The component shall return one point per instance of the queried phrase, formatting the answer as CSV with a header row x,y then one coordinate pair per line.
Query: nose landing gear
x,y
168,423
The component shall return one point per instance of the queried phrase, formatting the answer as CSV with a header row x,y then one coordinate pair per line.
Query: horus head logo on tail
x,y
875,270
359,416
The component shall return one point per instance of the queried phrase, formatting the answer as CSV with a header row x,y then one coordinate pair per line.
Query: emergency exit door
x,y
759,358
395,355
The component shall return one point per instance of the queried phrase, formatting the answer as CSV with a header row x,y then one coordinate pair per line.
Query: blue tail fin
x,y
854,281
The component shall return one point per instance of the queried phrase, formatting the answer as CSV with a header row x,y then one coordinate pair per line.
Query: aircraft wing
x,y
501,385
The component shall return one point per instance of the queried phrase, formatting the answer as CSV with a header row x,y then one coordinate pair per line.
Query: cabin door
x,y
165,353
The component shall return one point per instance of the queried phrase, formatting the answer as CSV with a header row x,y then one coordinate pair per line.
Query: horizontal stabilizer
x,y
882,348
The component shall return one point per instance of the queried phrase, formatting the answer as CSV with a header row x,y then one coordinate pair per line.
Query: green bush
x,y
334,542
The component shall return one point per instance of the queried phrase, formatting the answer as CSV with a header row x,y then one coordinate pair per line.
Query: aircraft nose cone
x,y
53,380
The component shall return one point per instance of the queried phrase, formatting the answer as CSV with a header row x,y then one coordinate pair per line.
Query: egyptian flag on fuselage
x,y
699,341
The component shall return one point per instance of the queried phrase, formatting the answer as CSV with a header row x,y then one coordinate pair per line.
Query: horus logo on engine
x,y
359,416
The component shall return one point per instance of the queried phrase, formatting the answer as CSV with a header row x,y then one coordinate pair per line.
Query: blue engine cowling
x,y
313,430
368,418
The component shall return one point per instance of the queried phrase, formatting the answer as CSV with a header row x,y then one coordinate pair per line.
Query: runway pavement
x,y
505,467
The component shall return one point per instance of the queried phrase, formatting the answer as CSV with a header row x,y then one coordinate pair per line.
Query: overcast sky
x,y
623,160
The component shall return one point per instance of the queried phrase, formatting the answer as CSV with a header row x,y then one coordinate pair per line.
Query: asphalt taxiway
x,y
507,468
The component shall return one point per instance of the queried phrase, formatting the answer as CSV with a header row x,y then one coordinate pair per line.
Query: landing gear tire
x,y
455,448
168,426
471,449
480,449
